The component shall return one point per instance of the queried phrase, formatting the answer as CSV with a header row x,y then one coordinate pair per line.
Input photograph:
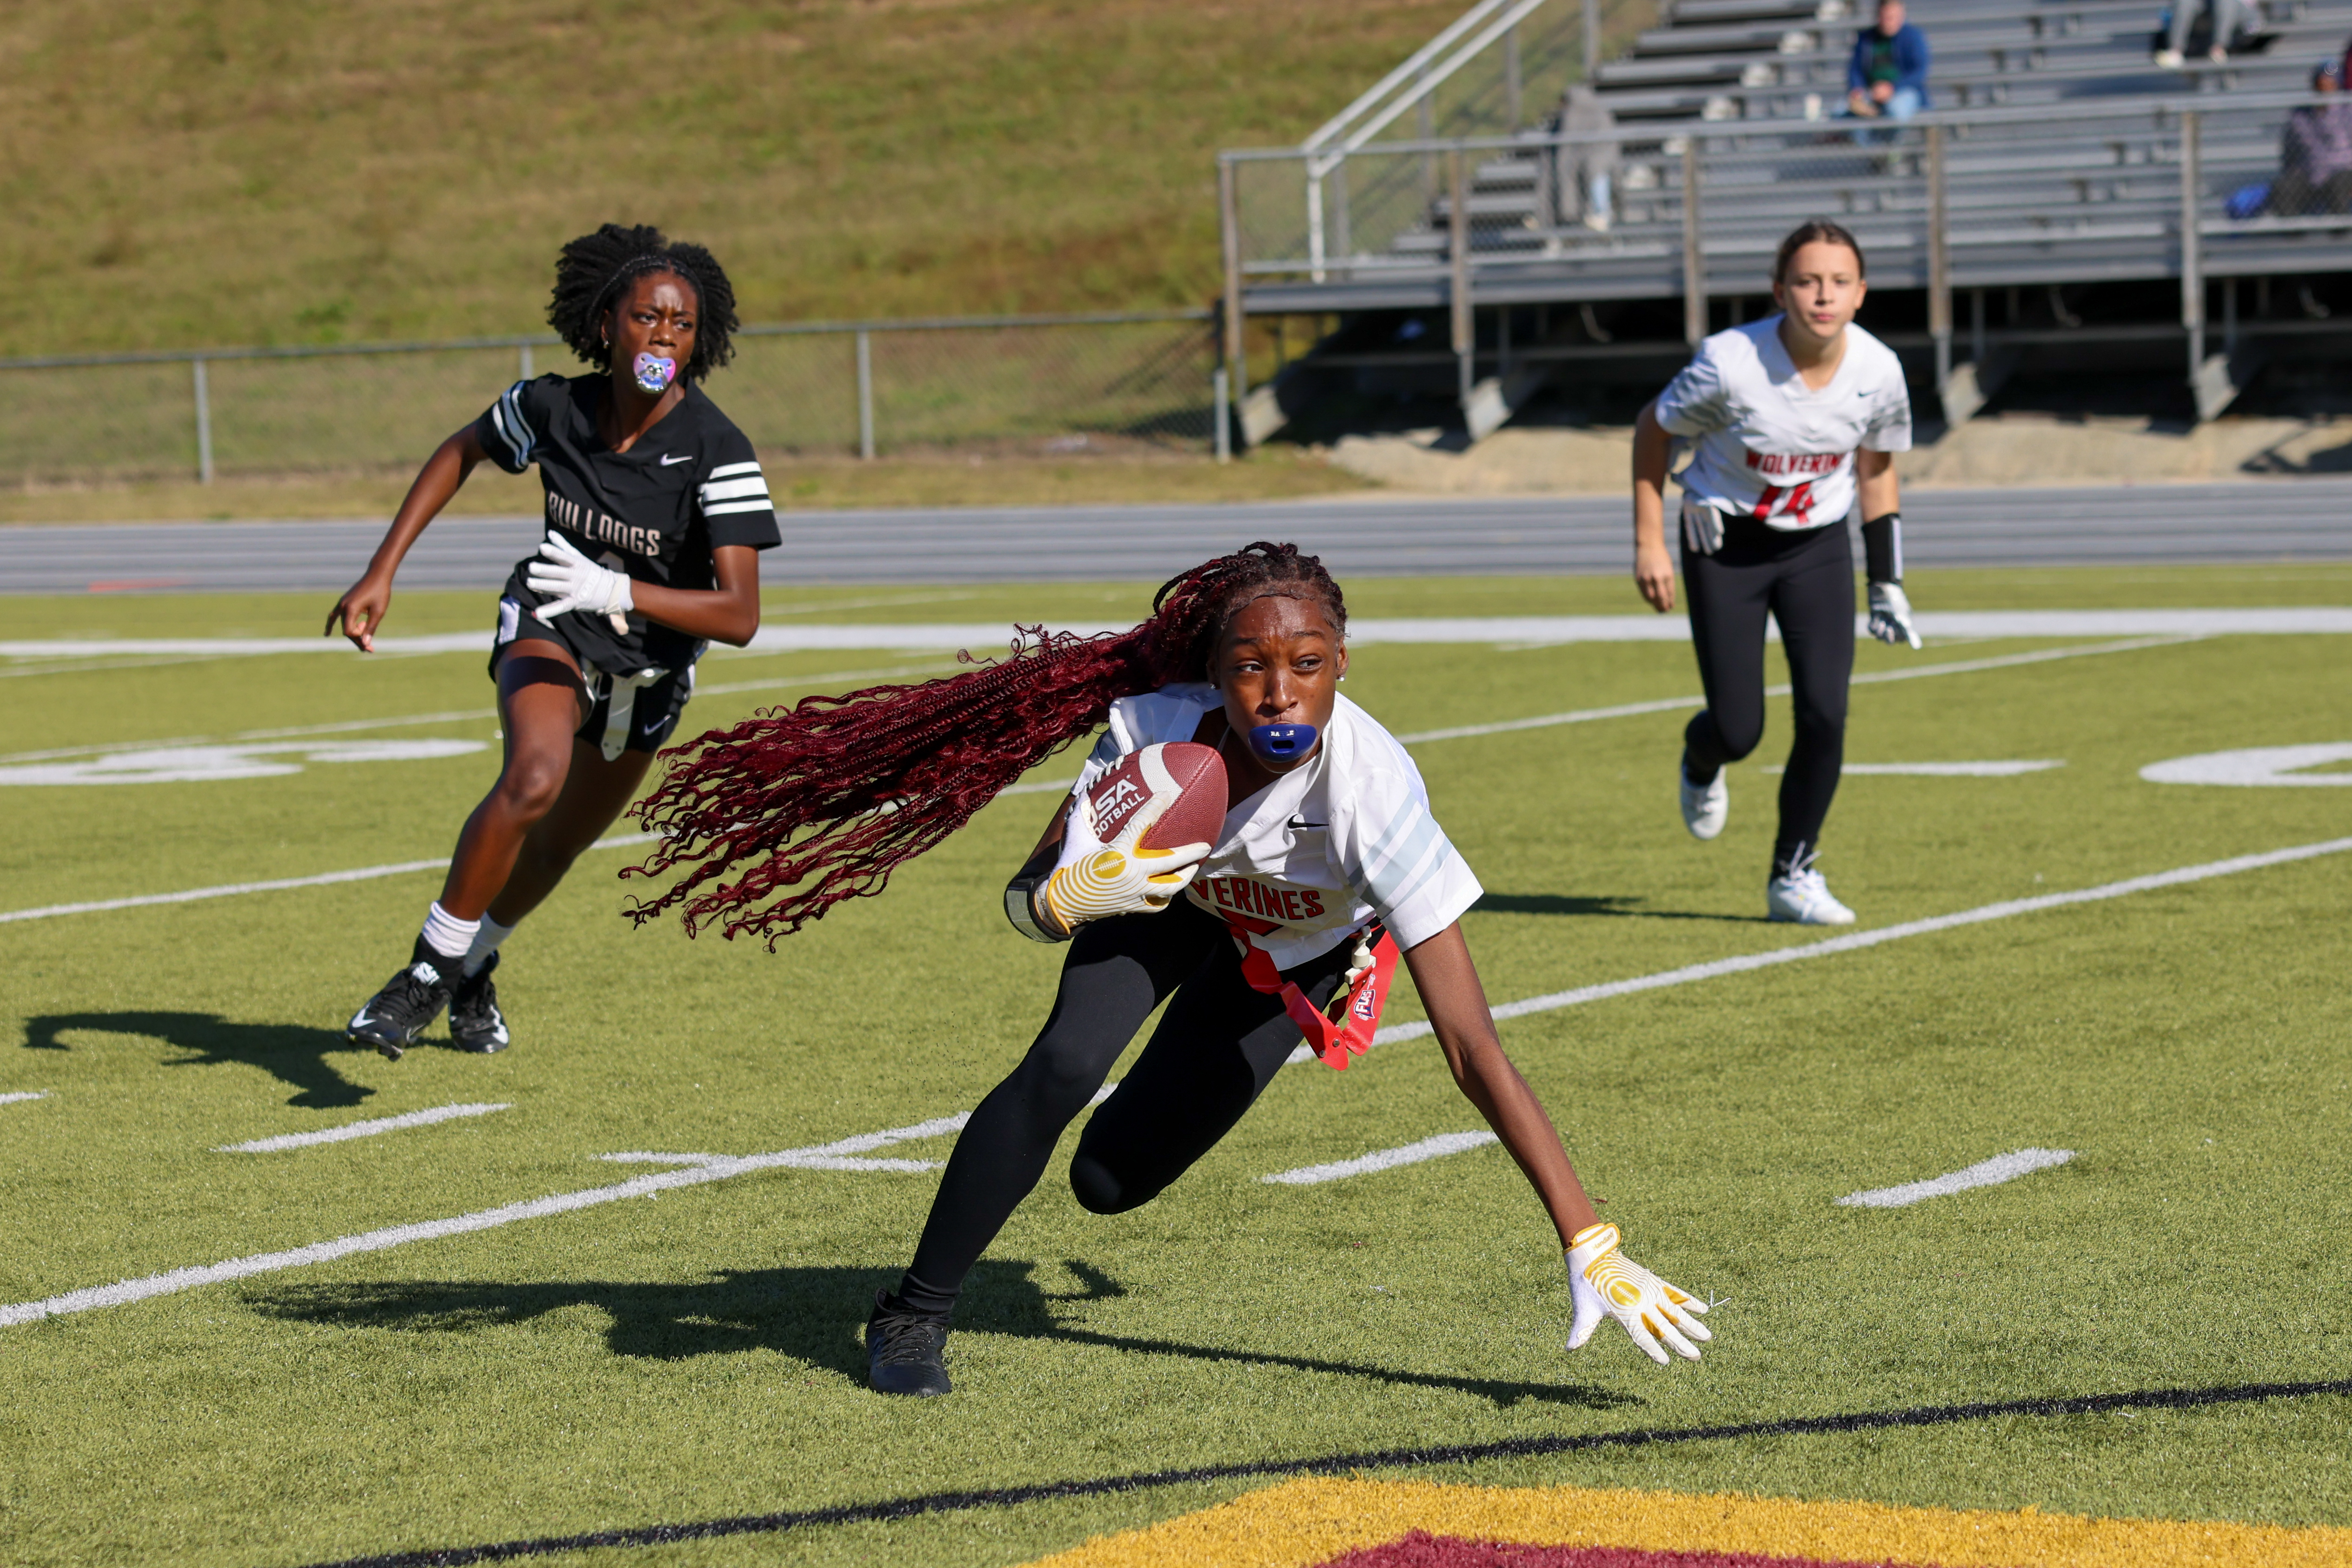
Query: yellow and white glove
x,y
1094,880
1890,615
1605,1283
578,584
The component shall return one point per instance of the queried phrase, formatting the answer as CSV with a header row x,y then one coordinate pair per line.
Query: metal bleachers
x,y
2055,154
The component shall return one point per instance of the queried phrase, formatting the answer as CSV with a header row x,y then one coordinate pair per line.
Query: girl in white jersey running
x,y
1328,863
1789,418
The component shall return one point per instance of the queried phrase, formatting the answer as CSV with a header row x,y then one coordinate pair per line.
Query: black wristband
x,y
1021,892
1881,548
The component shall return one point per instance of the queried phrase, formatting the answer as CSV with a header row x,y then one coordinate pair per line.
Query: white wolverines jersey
x,y
1325,849
1768,446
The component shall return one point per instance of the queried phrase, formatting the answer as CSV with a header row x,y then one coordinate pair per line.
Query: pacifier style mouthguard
x,y
655,373
1282,742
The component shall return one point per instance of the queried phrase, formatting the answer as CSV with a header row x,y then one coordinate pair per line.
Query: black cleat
x,y
903,1349
474,1022
411,999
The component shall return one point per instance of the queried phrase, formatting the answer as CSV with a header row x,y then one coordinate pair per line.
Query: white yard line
x,y
1676,704
701,1168
456,716
1984,1174
1382,1159
1857,941
712,1168
1943,769
617,841
22,1095
350,1130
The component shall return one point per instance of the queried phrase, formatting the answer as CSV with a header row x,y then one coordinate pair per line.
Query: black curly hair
x,y
594,270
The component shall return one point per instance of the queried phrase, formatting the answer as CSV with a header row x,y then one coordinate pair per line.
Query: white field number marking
x,y
188,764
701,1168
2260,765
350,1130
22,1094
1983,1173
1435,1148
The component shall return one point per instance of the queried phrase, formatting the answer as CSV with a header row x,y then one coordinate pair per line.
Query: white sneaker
x,y
1804,898
1704,805
2168,59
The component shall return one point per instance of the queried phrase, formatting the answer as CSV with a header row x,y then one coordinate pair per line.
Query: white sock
x,y
447,935
486,943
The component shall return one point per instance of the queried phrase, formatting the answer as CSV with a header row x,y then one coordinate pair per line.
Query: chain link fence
x,y
1051,384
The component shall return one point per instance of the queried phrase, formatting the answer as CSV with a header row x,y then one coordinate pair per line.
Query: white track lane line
x,y
830,1156
712,1168
22,1094
350,1130
1397,1033
618,841
1445,1144
1983,1173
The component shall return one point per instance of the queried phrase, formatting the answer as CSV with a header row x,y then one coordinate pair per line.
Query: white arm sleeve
x,y
1695,401
1391,850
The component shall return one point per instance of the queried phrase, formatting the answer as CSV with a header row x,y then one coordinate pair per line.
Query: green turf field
x,y
694,1355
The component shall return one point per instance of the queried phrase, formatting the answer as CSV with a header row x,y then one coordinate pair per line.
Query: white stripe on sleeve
x,y
733,489
728,471
758,503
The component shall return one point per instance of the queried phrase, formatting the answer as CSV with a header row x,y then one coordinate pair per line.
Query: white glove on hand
x,y
1605,1283
578,584
1890,615
1095,880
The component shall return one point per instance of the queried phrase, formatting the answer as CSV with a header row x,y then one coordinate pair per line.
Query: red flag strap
x,y
1334,1040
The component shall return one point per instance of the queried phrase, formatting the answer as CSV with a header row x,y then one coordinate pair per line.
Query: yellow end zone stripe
x,y
1304,1523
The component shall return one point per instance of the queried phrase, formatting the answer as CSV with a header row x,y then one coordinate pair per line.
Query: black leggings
x,y
1806,581
1218,1045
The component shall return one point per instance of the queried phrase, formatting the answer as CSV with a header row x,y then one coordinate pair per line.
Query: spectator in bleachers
x,y
1886,77
2184,18
2315,151
1582,171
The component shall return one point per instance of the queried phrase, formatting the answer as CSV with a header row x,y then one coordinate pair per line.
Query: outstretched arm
x,y
1603,1282
1449,987
1653,565
360,612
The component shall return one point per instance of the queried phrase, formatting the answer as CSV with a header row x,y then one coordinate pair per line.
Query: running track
x,y
2276,521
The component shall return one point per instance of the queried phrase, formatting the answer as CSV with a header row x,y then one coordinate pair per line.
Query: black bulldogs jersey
x,y
656,512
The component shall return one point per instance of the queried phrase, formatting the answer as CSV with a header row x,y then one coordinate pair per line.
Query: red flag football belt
x,y
1334,1040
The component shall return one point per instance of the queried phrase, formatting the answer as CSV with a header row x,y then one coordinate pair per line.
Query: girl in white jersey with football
x,y
1788,417
1326,865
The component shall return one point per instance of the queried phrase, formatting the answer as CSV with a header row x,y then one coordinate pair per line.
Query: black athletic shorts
x,y
625,712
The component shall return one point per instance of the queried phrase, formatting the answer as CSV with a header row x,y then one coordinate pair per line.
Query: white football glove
x,y
1605,1283
1890,615
1094,880
578,584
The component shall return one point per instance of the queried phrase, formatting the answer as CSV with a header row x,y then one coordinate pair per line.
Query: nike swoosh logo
x,y
360,1018
688,457
1302,822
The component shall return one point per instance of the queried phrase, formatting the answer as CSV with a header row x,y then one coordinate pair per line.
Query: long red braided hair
x,y
796,809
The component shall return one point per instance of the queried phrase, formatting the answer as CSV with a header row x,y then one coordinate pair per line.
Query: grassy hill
x,y
203,171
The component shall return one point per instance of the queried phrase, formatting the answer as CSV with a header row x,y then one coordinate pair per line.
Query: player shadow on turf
x,y
815,1315
1597,904
292,1053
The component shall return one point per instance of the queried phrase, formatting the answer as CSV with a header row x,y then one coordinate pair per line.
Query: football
x,y
1175,789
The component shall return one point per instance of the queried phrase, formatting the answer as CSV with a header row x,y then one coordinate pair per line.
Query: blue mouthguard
x,y
655,373
1282,742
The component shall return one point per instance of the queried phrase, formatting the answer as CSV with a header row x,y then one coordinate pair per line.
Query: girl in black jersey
x,y
656,512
